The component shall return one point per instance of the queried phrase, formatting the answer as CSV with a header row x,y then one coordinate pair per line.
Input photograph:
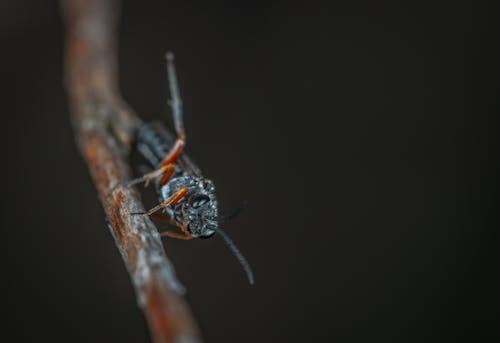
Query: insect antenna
x,y
236,252
226,216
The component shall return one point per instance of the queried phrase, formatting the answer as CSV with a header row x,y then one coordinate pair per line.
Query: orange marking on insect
x,y
179,195
175,152
167,174
178,235
174,199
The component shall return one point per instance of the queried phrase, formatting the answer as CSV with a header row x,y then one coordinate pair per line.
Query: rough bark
x,y
104,126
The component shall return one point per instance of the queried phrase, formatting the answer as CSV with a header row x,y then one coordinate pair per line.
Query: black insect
x,y
188,199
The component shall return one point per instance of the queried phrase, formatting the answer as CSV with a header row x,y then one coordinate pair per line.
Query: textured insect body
x,y
187,198
198,210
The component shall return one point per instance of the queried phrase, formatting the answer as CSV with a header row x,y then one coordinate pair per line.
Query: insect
x,y
187,199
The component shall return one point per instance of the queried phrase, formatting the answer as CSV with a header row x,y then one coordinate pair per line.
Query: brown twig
x,y
104,127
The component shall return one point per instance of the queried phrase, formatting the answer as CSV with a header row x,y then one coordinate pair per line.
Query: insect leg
x,y
172,200
175,152
179,235
175,102
164,171
166,219
167,168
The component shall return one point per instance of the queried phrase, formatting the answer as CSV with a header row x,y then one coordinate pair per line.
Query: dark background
x,y
363,137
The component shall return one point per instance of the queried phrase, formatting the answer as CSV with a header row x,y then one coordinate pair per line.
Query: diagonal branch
x,y
104,126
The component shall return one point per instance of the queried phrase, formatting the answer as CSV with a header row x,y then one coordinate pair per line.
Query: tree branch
x,y
104,127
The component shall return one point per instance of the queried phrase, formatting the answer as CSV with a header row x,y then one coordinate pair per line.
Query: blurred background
x,y
362,136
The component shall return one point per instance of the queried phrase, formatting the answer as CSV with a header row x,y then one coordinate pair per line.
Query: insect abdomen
x,y
154,142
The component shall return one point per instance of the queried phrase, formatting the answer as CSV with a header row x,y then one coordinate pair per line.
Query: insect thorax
x,y
198,209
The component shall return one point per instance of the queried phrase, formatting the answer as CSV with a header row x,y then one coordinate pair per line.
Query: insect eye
x,y
199,200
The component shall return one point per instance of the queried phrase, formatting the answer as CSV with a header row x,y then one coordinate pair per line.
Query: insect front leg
x,y
172,200
178,235
166,169
184,234
165,172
